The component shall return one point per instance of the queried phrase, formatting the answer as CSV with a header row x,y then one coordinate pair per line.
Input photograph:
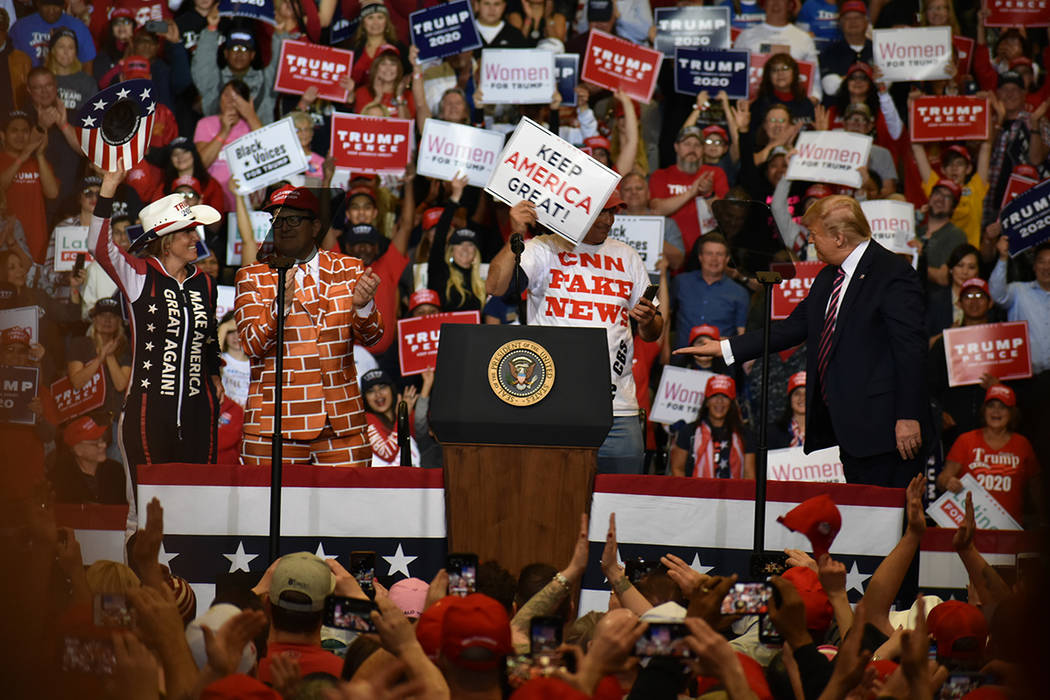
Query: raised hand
x,y
962,540
916,514
522,215
225,646
365,288
578,563
832,575
687,578
457,185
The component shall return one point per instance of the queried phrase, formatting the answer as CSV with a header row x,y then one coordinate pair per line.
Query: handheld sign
x,y
225,299
829,156
643,233
567,75
261,10
921,53
24,317
998,349
691,27
69,242
793,464
1016,185
950,509
418,338
758,64
949,119
260,228
704,69
446,149
517,76
371,144
892,223
567,186
443,30
303,65
265,156
618,64
70,402
679,395
18,386
790,293
1018,13
1026,220
963,53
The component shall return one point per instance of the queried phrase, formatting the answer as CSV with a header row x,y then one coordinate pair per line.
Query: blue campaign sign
x,y
1026,219
261,10
700,69
444,30
566,76
691,27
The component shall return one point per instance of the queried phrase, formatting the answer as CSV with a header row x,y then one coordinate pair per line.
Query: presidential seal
x,y
521,372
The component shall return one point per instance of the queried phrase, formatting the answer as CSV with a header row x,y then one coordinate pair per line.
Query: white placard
x,y
918,53
70,240
225,295
892,223
643,233
567,186
792,464
22,317
265,156
950,508
829,156
517,76
447,148
260,227
679,395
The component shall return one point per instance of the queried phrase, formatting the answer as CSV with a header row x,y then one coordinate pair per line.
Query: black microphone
x,y
404,435
517,243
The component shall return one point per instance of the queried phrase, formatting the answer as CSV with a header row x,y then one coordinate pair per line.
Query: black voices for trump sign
x,y
567,186
265,156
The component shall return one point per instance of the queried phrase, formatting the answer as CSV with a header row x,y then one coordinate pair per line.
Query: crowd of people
x,y
185,381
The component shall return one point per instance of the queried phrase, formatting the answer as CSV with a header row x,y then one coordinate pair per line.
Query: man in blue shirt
x,y
707,295
32,33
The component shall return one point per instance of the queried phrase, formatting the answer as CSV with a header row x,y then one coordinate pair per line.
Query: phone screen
x,y
545,634
767,631
462,573
363,569
664,639
88,655
112,610
349,613
960,683
747,599
651,291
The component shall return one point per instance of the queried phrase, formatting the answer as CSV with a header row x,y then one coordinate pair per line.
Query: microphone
x,y
404,435
517,243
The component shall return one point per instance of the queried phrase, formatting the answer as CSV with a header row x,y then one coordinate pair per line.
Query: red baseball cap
x,y
753,674
975,282
818,605
860,66
954,620
423,296
614,201
475,622
817,518
428,628
716,130
951,186
134,67
187,181
388,48
121,12
295,198
705,330
544,688
720,384
362,190
593,142
1020,61
83,428
431,217
853,6
15,335
958,150
239,686
1000,392
1026,170
796,380
819,191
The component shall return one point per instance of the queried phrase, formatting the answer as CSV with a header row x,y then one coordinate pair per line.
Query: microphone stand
x,y
404,435
281,265
758,560
517,246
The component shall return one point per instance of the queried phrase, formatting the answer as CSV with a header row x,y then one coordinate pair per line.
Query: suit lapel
x,y
853,292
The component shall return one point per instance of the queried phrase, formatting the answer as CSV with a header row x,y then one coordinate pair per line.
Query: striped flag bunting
x,y
99,529
941,571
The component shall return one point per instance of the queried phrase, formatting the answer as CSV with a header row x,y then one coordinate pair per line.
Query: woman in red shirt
x,y
1001,460
387,86
381,402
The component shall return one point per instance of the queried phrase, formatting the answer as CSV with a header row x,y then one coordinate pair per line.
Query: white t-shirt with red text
x,y
589,286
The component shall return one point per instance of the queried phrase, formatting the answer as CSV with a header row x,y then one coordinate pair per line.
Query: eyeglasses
x,y
973,295
714,142
858,76
88,192
189,195
289,221
775,120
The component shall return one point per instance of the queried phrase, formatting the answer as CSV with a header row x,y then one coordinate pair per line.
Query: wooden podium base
x,y
515,504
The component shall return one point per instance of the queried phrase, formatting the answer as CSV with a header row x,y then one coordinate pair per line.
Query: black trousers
x,y
887,469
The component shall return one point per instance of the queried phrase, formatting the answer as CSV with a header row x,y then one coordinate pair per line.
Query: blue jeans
x,y
623,451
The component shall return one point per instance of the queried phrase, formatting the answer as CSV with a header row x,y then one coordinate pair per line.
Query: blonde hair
x,y
457,281
122,337
106,576
52,63
953,21
839,213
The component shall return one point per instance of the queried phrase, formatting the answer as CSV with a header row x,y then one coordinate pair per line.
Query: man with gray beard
x,y
675,189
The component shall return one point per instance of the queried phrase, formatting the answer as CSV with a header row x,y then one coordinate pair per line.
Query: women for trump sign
x,y
904,55
567,186
517,76
829,156
446,149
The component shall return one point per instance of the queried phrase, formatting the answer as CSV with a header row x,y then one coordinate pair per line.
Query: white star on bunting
x,y
697,566
149,108
855,579
89,122
164,558
320,553
239,560
399,562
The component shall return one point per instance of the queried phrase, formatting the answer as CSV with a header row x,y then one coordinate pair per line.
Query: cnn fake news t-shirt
x,y
589,286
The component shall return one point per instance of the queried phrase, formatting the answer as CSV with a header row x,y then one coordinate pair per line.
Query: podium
x,y
520,412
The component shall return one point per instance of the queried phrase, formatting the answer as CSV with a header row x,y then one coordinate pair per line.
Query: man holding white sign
x,y
597,283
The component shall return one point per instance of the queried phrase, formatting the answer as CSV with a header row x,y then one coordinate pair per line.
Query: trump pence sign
x,y
303,65
998,349
616,64
949,118
371,144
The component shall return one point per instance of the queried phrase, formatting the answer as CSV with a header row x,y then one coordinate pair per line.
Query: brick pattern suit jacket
x,y
320,377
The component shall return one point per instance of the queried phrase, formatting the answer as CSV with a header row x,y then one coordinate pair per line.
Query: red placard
x,y
758,62
998,349
1015,186
949,119
371,144
70,403
1018,13
963,53
303,65
788,294
616,63
417,338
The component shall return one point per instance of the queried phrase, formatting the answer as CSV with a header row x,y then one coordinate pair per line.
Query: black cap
x,y
461,235
1011,77
17,114
105,304
375,377
362,233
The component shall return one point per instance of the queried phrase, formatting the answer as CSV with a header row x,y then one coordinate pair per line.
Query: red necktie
x,y
828,331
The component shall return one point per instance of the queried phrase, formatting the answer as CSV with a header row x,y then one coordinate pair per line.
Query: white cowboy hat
x,y
171,214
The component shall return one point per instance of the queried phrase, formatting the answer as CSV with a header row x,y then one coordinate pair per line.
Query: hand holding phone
x,y
462,572
747,599
349,613
664,639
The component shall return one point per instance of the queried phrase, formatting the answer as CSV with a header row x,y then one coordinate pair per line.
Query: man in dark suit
x,y
862,322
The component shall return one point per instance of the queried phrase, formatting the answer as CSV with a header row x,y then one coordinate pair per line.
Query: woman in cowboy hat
x,y
174,392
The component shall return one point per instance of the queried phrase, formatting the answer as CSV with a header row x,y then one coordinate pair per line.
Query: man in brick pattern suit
x,y
328,307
